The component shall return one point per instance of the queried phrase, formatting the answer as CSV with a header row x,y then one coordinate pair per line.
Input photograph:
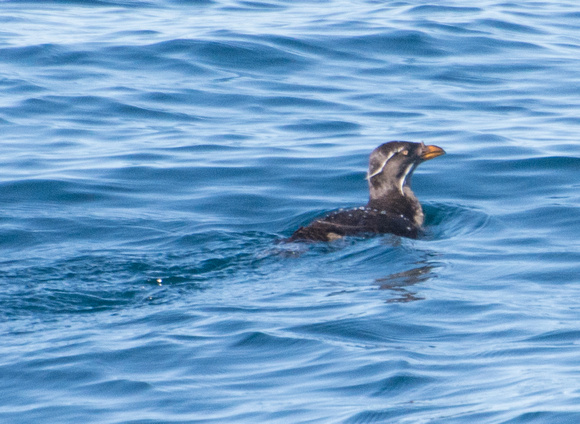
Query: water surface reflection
x,y
401,282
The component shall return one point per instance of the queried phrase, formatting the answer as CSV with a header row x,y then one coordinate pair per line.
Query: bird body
x,y
392,208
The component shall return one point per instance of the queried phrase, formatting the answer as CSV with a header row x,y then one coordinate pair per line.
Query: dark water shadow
x,y
400,283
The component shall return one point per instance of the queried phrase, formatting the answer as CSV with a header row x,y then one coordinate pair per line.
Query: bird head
x,y
391,165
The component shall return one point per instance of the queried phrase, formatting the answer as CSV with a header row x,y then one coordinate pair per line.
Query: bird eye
x,y
405,152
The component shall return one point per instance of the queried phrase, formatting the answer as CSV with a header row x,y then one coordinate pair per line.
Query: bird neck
x,y
393,201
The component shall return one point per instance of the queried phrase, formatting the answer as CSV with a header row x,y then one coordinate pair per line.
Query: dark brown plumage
x,y
392,207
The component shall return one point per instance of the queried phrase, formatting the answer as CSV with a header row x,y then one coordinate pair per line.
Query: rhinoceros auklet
x,y
392,207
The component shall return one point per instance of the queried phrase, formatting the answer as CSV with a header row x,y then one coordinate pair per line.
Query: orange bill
x,y
430,152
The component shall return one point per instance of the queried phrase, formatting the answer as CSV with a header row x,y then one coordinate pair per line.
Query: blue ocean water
x,y
155,152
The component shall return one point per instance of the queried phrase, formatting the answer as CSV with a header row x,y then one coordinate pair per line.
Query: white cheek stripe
x,y
381,168
384,163
404,178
